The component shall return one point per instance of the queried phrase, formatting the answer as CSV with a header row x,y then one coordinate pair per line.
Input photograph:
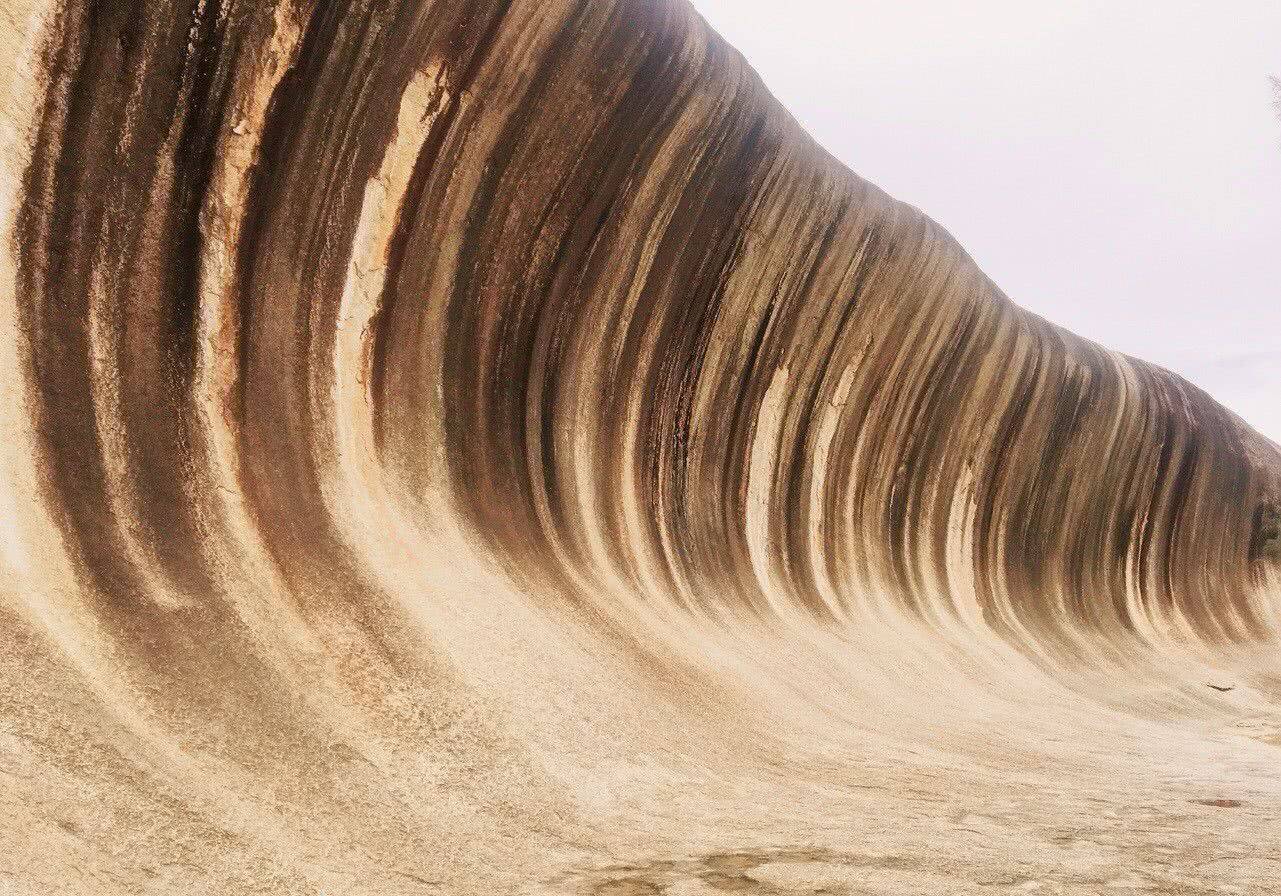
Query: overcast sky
x,y
1113,166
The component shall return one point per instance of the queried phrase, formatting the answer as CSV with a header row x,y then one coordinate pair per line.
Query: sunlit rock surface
x,y
486,447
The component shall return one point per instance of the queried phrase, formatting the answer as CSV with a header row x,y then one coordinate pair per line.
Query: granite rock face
x,y
490,447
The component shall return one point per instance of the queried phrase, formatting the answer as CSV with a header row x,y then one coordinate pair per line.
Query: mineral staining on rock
x,y
488,447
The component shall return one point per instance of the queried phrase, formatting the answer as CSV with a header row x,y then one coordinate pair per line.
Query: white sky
x,y
1113,166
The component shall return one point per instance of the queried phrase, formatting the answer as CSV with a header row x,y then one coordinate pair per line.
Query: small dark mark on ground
x,y
628,886
1220,803
730,862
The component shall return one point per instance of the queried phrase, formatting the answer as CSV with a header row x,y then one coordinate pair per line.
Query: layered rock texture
x,y
485,447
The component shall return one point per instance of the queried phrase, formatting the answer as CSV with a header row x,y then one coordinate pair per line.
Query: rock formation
x,y
489,447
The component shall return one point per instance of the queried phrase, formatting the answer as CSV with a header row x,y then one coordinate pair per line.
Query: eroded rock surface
x,y
488,447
